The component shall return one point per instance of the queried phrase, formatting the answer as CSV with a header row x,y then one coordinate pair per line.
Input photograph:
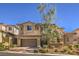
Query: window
x,y
10,28
29,27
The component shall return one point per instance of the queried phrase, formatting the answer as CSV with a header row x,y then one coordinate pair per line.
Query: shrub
x,y
69,49
13,45
35,51
45,46
6,45
56,50
43,50
77,46
1,47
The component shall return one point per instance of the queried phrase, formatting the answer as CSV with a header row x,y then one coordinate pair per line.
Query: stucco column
x,y
10,41
19,42
38,43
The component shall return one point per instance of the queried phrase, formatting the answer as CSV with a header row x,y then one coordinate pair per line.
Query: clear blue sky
x,y
67,15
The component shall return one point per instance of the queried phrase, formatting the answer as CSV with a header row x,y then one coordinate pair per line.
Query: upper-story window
x,y
10,28
29,27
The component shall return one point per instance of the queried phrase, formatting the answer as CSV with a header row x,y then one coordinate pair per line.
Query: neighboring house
x,y
7,37
68,38
8,33
9,28
72,37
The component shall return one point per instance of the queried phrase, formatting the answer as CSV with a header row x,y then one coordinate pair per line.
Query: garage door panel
x,y
29,43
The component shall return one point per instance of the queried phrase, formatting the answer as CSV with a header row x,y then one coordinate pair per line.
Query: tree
x,y
50,32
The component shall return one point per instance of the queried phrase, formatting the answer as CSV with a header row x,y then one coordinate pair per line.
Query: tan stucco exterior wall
x,y
0,37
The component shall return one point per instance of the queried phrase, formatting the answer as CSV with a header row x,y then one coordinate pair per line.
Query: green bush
x,y
43,50
1,47
13,46
35,51
77,46
69,50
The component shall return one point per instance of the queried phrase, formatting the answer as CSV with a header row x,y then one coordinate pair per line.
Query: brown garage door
x,y
29,43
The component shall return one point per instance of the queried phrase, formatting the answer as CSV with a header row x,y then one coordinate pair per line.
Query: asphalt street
x,y
18,54
21,54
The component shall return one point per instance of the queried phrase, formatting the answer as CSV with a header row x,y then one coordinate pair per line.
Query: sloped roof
x,y
25,22
77,29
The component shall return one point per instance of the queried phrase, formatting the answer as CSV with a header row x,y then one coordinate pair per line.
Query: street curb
x,y
47,54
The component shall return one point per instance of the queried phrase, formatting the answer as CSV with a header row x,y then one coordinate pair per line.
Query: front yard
x,y
61,49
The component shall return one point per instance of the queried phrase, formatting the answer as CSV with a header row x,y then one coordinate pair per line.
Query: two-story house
x,y
30,34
